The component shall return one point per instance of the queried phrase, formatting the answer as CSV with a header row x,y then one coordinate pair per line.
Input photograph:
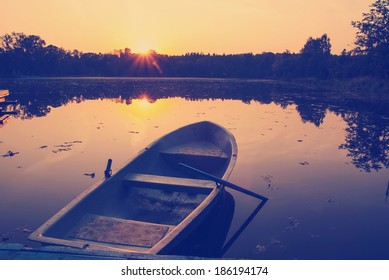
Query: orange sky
x,y
181,26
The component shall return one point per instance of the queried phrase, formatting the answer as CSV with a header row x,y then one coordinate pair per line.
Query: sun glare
x,y
143,53
143,103
142,48
146,63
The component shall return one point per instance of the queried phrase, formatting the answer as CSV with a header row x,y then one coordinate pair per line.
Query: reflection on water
x,y
209,238
322,160
366,142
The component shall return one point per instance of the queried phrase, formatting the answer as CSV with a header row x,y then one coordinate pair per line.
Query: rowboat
x,y
152,204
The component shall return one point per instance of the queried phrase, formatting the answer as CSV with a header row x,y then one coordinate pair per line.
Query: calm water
x,y
322,160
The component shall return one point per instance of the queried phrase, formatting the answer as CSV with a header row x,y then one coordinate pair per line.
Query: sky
x,y
176,27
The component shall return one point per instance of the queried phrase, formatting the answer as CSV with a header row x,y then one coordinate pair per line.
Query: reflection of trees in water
x,y
37,96
312,113
367,141
367,132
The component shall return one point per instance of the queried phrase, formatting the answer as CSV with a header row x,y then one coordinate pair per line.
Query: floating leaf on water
x,y
77,142
277,243
24,229
61,150
261,248
92,175
293,223
66,146
5,237
268,179
10,154
313,235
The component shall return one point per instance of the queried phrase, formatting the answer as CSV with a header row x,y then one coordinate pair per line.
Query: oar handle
x,y
108,170
223,182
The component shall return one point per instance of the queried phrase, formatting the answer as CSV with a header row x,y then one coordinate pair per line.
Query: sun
x,y
145,53
142,47
146,63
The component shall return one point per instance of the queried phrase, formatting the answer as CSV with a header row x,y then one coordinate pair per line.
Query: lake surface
x,y
321,159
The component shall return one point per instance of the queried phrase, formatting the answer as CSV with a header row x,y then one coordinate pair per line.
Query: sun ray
x,y
146,64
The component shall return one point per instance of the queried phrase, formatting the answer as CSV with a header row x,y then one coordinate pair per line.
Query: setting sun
x,y
144,53
142,47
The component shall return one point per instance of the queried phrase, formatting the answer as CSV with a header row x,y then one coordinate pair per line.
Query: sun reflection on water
x,y
143,107
143,102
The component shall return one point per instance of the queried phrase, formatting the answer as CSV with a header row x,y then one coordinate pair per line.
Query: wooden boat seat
x,y
198,148
119,231
200,154
167,183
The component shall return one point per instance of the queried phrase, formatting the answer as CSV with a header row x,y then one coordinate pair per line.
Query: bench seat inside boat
x,y
113,230
168,183
201,154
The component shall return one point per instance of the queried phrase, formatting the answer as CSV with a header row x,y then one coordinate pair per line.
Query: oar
x,y
108,170
224,183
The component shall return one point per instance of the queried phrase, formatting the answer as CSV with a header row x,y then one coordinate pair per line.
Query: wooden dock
x,y
3,93
11,251
4,118
11,102
7,107
8,113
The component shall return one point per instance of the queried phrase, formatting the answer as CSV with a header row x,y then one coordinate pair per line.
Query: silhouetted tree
x,y
372,38
23,53
317,47
315,57
373,31
287,65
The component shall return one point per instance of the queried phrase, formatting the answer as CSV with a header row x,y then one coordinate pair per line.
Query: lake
x,y
320,158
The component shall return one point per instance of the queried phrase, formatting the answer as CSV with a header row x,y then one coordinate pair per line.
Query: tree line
x,y
28,55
